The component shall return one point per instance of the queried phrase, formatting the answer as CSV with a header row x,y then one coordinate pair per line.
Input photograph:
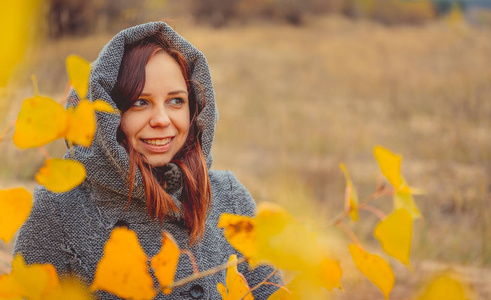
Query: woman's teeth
x,y
159,142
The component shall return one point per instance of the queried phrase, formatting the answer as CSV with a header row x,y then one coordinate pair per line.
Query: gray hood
x,y
107,162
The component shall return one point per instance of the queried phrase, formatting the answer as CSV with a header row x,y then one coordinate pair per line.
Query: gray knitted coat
x,y
69,229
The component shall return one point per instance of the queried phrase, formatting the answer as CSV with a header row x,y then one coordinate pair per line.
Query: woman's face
x,y
157,124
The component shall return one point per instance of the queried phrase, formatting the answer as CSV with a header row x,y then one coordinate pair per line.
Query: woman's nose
x,y
159,118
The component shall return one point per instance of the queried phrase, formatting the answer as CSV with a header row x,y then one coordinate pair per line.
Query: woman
x,y
148,168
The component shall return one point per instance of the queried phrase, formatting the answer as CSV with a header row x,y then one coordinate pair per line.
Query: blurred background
x,y
303,85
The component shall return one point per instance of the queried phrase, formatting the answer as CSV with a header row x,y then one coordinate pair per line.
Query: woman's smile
x,y
157,124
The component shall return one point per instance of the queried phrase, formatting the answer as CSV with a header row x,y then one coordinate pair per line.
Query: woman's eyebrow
x,y
170,93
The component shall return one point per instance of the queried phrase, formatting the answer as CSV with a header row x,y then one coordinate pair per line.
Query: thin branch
x,y
192,259
203,274
4,132
350,233
380,192
261,283
380,214
44,152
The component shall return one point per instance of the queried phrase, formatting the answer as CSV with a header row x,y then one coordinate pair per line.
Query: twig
x,y
350,233
378,193
44,152
208,272
380,214
192,259
4,132
261,283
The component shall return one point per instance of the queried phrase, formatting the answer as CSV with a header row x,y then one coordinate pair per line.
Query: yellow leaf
x,y
275,237
165,262
445,287
236,285
390,165
41,120
374,268
328,273
31,282
406,200
61,175
81,124
395,233
352,195
70,288
15,206
103,106
123,269
78,70
17,20
240,232
280,294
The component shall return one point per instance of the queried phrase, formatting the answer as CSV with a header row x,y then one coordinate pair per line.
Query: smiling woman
x,y
148,168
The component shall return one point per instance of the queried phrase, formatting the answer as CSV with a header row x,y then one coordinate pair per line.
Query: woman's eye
x,y
140,102
176,101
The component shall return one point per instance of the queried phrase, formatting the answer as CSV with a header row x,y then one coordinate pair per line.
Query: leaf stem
x,y
192,259
380,214
208,272
4,131
350,233
44,152
35,85
261,283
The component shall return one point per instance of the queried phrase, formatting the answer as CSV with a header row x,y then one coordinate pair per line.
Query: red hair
x,y
196,191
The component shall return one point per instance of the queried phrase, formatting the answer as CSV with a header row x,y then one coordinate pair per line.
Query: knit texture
x,y
69,230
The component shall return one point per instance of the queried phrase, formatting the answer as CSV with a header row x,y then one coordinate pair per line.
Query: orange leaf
x,y
240,232
15,207
275,237
374,268
280,294
165,262
236,285
78,70
395,233
61,175
123,269
81,124
103,106
31,282
41,120
70,288
353,196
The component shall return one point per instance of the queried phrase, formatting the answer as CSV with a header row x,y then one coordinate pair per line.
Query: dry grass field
x,y
294,102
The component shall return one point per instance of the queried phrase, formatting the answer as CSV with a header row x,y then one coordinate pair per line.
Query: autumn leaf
x,y
236,287
78,70
406,200
81,124
240,232
165,262
16,205
280,294
70,288
445,287
30,282
102,106
41,120
390,165
395,234
377,270
61,175
123,269
352,196
17,20
275,237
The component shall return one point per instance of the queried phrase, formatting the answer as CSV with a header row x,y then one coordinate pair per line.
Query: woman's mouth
x,y
157,142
